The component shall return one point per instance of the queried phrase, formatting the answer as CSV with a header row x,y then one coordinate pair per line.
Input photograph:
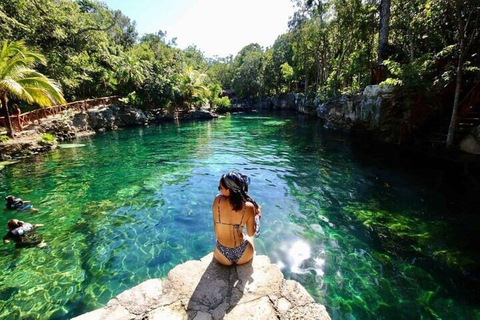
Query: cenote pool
x,y
367,238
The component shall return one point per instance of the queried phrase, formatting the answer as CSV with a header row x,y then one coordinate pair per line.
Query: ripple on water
x,y
132,204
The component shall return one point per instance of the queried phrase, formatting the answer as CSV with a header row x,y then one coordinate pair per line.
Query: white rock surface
x,y
205,290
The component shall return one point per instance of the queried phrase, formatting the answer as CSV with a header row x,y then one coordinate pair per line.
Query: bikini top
x,y
236,227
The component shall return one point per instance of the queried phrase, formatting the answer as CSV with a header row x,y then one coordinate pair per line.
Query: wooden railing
x,y
18,121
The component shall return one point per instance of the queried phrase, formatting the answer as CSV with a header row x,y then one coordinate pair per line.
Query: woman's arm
x,y
250,219
7,237
38,225
214,205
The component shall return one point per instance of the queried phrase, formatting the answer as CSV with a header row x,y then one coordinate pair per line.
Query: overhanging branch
x,y
100,28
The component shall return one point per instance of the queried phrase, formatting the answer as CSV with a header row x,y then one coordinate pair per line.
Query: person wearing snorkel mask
x,y
233,209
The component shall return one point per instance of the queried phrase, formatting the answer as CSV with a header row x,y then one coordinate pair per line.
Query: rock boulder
x,y
204,289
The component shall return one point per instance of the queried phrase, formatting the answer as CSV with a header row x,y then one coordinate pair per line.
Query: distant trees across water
x,y
423,47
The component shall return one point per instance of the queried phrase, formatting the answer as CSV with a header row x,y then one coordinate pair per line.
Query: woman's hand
x,y
258,210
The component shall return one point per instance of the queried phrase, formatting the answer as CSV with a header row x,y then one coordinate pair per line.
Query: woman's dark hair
x,y
237,183
13,224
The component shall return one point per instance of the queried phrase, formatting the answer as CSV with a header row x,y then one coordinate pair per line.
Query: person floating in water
x,y
22,234
14,203
233,209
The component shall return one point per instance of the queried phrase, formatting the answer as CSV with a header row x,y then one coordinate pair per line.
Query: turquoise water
x,y
368,239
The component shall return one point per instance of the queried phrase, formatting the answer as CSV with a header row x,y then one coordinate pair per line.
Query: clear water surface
x,y
366,238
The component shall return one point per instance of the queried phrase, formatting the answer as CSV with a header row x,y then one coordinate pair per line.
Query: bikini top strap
x,y
219,220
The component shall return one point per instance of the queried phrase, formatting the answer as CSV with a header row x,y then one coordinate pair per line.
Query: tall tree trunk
x,y
340,63
3,100
306,85
458,85
410,44
317,63
324,60
305,68
383,34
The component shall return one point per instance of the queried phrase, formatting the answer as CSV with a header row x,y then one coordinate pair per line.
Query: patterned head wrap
x,y
236,181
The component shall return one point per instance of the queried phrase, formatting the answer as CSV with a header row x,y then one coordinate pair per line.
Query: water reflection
x,y
297,254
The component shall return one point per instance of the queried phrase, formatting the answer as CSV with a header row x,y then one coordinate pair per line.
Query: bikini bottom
x,y
232,254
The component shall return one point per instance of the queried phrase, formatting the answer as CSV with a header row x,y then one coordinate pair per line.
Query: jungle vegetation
x,y
428,49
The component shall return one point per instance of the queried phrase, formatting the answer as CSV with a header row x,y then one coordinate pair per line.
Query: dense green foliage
x,y
94,51
330,49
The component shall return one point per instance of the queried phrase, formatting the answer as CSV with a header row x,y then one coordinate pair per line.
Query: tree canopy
x,y
93,51
331,48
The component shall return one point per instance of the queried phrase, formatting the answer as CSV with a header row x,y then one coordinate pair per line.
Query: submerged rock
x,y
16,150
204,289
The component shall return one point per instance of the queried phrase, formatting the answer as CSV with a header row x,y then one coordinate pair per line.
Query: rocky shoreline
x,y
205,290
69,126
369,112
381,112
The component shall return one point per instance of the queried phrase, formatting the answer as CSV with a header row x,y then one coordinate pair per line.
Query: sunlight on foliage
x,y
47,139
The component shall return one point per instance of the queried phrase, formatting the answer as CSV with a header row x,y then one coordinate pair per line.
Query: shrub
x,y
4,138
223,104
133,100
47,139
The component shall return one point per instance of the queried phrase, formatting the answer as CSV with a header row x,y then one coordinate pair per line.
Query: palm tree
x,y
20,81
131,73
192,87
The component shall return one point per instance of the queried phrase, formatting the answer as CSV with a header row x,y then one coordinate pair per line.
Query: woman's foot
x,y
42,245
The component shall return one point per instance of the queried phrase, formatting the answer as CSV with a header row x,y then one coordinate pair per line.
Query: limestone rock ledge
x,y
203,290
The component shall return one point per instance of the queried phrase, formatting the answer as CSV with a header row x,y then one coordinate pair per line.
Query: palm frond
x,y
19,80
14,64
39,96
48,86
19,47
15,89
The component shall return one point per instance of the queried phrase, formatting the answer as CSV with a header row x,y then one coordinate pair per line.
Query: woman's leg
x,y
247,254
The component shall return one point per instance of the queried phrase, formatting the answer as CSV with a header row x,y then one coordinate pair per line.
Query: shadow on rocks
x,y
219,290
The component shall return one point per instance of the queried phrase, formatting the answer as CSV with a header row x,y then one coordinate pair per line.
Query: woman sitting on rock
x,y
233,209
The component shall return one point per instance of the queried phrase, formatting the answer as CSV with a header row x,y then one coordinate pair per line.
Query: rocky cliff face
x,y
114,116
204,290
376,109
369,110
